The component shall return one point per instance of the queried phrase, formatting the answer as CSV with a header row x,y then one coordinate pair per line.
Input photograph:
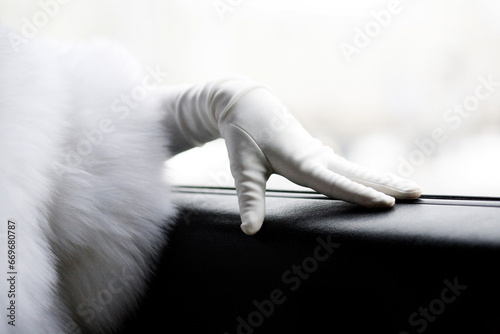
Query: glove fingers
x,y
250,170
387,183
338,186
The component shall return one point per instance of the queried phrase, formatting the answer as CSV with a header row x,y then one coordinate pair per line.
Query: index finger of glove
x,y
387,183
337,186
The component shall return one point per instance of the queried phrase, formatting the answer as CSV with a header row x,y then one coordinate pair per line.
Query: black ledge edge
x,y
423,266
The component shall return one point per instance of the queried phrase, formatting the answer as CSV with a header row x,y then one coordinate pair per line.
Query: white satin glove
x,y
263,138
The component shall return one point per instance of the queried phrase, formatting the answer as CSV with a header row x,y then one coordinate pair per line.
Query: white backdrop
x,y
411,87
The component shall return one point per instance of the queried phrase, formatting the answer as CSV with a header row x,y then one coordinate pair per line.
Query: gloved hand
x,y
263,138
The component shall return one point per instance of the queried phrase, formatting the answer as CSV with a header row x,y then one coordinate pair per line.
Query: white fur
x,y
90,218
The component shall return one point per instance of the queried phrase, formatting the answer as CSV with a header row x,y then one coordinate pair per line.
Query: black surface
x,y
389,264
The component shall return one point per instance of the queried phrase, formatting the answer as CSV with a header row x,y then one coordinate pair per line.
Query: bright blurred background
x,y
382,82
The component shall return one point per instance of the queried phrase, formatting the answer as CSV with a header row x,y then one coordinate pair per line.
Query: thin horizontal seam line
x,y
423,196
423,200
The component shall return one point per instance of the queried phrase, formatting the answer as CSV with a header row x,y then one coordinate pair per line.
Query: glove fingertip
x,y
386,201
251,222
248,229
417,191
411,191
380,200
405,188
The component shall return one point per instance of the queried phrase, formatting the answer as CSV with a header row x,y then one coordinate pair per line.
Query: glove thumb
x,y
251,170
